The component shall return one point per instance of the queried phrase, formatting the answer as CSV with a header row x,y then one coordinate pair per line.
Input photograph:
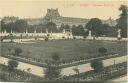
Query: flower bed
x,y
17,75
38,62
106,73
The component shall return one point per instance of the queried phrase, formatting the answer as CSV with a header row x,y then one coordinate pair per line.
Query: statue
x,y
35,31
11,31
119,33
64,31
90,34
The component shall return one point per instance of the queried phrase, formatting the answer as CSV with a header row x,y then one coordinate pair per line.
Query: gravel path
x,y
36,70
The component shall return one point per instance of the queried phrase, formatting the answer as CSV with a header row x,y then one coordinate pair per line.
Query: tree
x,y
95,26
12,64
78,31
18,51
8,27
17,26
108,31
52,71
62,27
55,57
105,29
2,25
51,27
122,20
67,27
20,26
102,50
40,28
97,65
8,23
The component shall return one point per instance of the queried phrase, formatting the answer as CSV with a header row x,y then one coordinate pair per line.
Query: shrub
x,y
102,50
52,71
12,64
97,65
18,51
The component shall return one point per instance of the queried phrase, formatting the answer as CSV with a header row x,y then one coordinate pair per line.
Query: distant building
x,y
53,15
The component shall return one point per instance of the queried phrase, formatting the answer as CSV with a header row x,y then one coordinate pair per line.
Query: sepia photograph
x,y
63,41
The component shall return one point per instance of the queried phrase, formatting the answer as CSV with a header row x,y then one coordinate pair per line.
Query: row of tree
x,y
95,25
22,25
99,29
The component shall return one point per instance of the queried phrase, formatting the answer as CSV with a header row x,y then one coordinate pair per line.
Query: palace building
x,y
54,16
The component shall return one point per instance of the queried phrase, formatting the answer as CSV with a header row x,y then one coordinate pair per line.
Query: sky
x,y
67,8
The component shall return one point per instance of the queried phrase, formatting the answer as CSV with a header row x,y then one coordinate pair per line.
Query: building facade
x,y
53,15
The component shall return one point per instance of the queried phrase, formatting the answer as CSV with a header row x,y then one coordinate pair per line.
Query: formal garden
x,y
10,73
52,53
68,50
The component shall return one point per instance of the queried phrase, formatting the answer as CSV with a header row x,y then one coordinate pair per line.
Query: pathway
x,y
39,71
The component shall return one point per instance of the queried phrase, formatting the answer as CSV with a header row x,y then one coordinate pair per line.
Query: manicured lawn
x,y
67,49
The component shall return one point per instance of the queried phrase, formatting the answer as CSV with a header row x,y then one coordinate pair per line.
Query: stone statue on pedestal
x,y
64,31
90,34
119,33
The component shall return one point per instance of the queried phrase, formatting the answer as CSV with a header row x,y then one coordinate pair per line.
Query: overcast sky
x,y
81,9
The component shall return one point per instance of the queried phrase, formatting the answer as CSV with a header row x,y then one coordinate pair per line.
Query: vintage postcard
x,y
63,41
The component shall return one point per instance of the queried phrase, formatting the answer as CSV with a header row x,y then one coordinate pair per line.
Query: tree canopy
x,y
101,29
97,65
102,50
12,64
52,71
122,20
17,26
78,30
18,51
95,26
51,27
